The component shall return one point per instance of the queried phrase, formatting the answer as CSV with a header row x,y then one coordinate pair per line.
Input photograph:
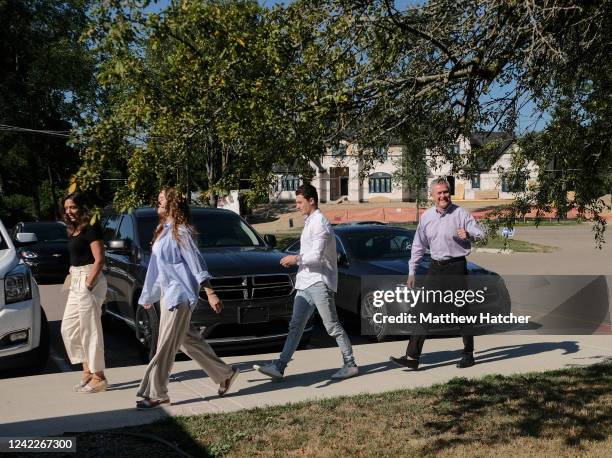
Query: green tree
x,y
232,88
46,75
441,59
196,94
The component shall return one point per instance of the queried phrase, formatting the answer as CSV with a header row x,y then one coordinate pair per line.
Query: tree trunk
x,y
36,203
213,198
54,202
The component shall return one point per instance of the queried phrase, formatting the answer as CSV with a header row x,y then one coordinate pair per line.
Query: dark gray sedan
x,y
373,251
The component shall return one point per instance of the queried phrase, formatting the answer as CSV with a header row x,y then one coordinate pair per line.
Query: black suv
x,y
48,258
256,290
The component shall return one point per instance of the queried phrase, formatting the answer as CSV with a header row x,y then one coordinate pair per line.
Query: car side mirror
x,y
270,240
342,259
25,239
119,245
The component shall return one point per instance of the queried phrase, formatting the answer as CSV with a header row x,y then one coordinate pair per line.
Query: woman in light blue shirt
x,y
176,271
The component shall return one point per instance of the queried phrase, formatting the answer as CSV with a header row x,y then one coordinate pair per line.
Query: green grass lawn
x,y
557,413
569,222
285,238
517,245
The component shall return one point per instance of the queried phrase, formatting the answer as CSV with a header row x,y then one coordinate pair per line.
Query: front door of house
x,y
338,185
344,186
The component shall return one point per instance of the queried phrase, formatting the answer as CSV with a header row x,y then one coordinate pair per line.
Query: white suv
x,y
24,332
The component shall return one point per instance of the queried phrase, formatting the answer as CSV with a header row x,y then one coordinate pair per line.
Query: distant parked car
x,y
366,250
24,332
257,292
48,258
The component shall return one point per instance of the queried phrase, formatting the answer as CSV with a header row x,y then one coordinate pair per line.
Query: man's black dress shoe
x,y
466,361
402,361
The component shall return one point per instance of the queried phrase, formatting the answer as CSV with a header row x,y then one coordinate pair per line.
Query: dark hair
x,y
308,191
83,217
177,208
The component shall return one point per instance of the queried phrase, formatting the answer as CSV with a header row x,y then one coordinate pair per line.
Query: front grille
x,y
251,287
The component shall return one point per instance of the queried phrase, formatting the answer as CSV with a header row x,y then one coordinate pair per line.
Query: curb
x,y
493,250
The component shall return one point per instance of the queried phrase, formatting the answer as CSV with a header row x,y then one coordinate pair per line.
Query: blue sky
x,y
529,118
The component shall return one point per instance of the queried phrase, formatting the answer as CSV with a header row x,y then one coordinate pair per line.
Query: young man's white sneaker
x,y
270,370
345,372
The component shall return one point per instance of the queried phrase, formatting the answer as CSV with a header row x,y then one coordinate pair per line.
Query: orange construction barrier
x,y
336,216
371,214
408,215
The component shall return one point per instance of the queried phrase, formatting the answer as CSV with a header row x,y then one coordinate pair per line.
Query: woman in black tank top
x,y
82,324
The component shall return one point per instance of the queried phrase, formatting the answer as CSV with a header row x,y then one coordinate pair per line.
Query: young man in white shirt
x,y
316,283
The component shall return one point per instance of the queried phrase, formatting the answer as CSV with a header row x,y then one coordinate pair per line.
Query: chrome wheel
x,y
368,310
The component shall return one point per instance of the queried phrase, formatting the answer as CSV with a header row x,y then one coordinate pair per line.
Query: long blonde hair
x,y
177,208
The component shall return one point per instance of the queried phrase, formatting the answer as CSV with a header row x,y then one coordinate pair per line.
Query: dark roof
x,y
479,139
502,141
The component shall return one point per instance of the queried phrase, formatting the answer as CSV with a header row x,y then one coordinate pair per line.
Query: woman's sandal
x,y
102,385
81,384
148,404
225,386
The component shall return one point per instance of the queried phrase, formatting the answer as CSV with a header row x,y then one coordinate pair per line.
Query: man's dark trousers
x,y
444,277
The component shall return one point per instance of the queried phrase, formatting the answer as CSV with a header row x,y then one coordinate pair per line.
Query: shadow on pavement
x,y
491,355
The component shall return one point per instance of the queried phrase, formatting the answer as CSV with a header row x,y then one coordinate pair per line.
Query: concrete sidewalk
x,y
45,404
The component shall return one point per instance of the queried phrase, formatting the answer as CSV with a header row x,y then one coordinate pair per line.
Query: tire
x,y
505,298
147,330
373,331
42,352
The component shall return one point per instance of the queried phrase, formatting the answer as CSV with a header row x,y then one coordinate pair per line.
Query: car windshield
x,y
47,232
214,230
379,244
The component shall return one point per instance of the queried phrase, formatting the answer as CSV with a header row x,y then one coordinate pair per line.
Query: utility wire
x,y
15,129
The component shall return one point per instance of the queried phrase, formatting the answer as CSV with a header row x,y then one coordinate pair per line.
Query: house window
x,y
476,181
339,150
289,183
380,153
379,182
513,184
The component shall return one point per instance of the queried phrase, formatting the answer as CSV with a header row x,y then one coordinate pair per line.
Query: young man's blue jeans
x,y
321,297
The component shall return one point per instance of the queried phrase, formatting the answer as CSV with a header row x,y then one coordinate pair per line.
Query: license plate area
x,y
253,315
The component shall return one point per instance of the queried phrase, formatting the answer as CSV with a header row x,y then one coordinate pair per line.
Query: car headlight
x,y
29,254
17,285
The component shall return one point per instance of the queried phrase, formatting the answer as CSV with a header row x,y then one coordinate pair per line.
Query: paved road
x,y
576,253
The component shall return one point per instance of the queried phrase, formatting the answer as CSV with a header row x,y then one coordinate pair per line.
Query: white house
x,y
487,182
337,174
